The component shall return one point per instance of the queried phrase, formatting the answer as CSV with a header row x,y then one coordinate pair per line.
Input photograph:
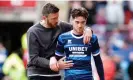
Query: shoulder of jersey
x,y
65,34
94,37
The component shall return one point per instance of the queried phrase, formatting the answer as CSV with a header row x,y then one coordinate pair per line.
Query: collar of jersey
x,y
77,37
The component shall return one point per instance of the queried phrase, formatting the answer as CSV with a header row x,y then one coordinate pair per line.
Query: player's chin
x,y
80,32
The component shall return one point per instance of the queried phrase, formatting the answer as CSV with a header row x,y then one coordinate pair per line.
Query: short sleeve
x,y
95,46
60,47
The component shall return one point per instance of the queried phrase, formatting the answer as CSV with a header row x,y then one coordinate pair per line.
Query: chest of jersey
x,y
79,53
75,48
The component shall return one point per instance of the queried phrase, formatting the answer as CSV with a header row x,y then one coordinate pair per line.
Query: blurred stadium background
x,y
111,21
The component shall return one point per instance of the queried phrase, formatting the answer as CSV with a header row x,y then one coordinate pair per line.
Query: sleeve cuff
x,y
96,54
58,54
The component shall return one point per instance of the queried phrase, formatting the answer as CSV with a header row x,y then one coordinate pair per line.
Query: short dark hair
x,y
49,8
76,12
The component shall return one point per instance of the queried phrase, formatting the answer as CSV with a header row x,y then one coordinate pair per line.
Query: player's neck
x,y
76,33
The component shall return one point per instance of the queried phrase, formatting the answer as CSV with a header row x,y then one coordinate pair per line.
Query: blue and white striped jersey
x,y
74,49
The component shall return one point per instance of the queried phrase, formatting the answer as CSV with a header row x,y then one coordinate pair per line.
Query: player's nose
x,y
79,25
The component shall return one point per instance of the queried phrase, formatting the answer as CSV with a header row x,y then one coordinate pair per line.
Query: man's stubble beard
x,y
51,25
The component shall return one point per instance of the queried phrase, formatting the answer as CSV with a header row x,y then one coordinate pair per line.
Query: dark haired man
x,y
42,39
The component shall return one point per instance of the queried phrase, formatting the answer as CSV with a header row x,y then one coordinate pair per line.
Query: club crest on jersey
x,y
69,41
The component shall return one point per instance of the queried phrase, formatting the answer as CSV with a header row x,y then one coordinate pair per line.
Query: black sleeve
x,y
65,26
130,69
99,66
33,50
95,46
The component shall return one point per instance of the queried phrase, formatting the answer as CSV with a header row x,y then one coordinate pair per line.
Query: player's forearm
x,y
99,66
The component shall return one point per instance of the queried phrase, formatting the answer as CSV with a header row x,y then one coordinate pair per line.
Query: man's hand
x,y
59,65
87,35
64,64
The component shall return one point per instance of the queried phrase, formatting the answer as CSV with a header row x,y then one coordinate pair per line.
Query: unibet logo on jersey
x,y
78,51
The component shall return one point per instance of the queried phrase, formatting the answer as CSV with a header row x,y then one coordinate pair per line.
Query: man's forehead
x,y
53,14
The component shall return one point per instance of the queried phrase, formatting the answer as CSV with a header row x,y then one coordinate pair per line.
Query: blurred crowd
x,y
12,65
111,21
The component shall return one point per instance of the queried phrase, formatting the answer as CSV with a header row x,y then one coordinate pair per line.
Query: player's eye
x,y
77,22
83,22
